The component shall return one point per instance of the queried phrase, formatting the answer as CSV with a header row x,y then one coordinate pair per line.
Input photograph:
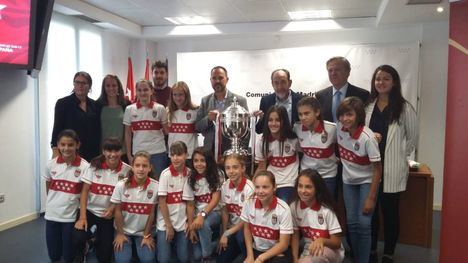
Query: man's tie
x,y
336,102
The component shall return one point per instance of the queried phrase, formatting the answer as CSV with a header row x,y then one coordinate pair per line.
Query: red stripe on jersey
x,y
146,125
206,198
65,186
101,189
282,161
319,153
234,209
182,128
352,157
174,198
136,208
264,232
314,233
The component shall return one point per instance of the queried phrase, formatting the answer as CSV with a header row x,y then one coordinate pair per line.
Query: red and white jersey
x,y
136,203
314,222
201,195
182,128
64,188
318,147
234,197
357,152
283,163
266,225
147,126
171,185
102,182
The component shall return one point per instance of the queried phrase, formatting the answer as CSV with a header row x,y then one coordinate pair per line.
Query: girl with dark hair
x,y
79,113
267,223
112,104
315,219
233,194
135,199
96,209
276,151
63,186
394,123
202,193
362,170
317,139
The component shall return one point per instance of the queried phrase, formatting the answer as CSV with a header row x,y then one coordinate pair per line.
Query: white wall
x,y
433,37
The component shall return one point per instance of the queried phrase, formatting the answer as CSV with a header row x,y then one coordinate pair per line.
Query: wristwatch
x,y
226,233
203,214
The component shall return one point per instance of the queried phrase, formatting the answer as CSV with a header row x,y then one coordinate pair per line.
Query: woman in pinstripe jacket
x,y
393,120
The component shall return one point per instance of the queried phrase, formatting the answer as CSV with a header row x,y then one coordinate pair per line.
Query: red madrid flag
x,y
130,89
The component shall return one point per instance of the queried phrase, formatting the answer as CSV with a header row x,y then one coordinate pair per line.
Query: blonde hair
x,y
172,107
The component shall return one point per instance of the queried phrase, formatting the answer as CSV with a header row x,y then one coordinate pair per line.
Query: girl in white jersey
x,y
314,218
135,200
276,151
267,223
181,116
202,192
63,186
362,170
96,209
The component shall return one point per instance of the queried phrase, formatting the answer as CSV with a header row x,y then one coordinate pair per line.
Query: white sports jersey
x,y
283,163
234,197
318,147
136,203
64,189
182,128
147,124
266,225
314,222
102,183
171,185
202,194
357,152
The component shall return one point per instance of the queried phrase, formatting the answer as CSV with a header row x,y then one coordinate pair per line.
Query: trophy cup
x,y
235,121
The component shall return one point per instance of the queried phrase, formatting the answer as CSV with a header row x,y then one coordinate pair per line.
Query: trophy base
x,y
242,152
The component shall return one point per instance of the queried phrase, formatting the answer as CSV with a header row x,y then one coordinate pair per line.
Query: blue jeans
x,y
359,224
164,247
331,185
125,255
160,162
59,240
284,193
236,246
206,245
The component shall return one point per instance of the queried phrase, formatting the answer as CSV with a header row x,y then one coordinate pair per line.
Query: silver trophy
x,y
235,121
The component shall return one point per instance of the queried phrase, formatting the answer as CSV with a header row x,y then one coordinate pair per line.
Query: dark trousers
x,y
104,237
390,205
236,246
286,258
59,240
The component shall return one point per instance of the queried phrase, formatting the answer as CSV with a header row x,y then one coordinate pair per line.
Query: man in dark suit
x,y
283,96
338,72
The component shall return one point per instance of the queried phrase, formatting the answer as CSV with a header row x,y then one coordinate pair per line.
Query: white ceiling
x,y
145,18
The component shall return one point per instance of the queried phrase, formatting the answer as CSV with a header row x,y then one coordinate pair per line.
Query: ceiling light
x,y
312,14
440,9
311,25
187,20
194,30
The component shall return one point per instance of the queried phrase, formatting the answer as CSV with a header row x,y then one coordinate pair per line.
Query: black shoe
x,y
373,257
387,259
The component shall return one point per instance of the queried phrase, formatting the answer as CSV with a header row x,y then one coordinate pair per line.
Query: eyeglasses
x,y
83,83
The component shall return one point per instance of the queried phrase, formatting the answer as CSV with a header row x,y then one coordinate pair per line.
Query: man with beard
x,y
283,96
161,90
214,104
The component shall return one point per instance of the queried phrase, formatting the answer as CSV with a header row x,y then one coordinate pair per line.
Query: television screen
x,y
16,32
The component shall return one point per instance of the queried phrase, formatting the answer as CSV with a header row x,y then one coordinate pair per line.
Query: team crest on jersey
x,y
339,137
242,197
134,116
356,146
252,217
171,186
150,194
77,172
287,148
126,195
324,137
320,219
227,196
121,176
188,115
155,113
274,219
53,172
301,139
98,175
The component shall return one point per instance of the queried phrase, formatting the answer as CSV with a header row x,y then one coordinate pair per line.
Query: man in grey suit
x,y
338,69
216,103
